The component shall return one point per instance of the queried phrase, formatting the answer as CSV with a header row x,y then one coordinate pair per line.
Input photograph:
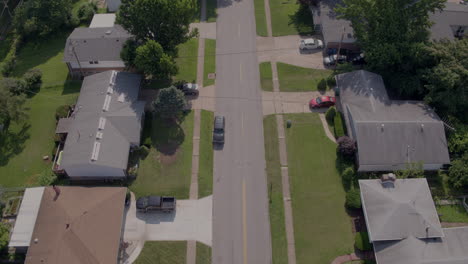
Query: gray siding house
x,y
97,48
105,124
389,134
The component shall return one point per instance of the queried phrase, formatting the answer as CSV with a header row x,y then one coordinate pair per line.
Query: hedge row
x,y
338,126
362,241
8,64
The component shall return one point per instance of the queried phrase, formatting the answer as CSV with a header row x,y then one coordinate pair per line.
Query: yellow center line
x,y
244,221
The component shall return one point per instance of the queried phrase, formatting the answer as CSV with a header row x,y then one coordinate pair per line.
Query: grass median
x,y
205,172
266,76
210,61
260,18
322,229
275,193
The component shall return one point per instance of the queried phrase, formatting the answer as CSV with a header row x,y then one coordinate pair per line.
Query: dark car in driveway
x,y
188,88
218,130
156,203
322,101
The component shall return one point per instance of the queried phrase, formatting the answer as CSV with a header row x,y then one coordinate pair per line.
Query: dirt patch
x,y
169,155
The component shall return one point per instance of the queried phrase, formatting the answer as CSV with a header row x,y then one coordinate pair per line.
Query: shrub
x,y
86,11
62,111
353,199
47,178
361,241
322,85
346,146
331,82
338,126
143,152
458,172
4,236
330,115
348,176
33,79
9,62
14,85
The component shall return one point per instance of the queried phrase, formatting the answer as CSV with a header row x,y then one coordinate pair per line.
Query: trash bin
x,y
288,123
337,91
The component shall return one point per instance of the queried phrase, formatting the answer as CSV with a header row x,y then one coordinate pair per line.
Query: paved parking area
x,y
192,220
286,49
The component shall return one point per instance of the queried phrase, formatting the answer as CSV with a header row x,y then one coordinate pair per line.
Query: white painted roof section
x,y
26,219
102,20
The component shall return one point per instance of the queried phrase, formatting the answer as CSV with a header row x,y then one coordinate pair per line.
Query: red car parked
x,y
322,101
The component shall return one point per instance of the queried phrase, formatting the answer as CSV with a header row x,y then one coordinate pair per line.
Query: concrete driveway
x,y
192,220
286,49
287,102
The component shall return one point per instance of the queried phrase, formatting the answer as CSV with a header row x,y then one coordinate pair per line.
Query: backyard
x,y
24,145
275,194
297,79
163,252
322,229
166,169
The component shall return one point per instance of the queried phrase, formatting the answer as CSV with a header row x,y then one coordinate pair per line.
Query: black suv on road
x,y
218,131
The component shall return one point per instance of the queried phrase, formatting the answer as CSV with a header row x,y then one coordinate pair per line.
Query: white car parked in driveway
x,y
310,44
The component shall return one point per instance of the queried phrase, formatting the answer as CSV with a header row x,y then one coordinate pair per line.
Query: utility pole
x,y
339,47
76,57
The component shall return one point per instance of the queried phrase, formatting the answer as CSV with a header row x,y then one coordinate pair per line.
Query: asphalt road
x,y
241,229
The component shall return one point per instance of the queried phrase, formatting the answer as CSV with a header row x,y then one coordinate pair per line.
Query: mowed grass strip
x,y
163,252
322,229
205,171
203,254
266,76
187,61
452,213
288,17
167,169
260,18
298,79
210,61
275,193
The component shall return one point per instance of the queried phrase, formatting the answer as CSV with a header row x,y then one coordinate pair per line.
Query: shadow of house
x,y
389,134
105,124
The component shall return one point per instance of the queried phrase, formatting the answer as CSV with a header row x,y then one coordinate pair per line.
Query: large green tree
x,y
170,102
165,21
42,17
392,34
447,78
11,107
151,59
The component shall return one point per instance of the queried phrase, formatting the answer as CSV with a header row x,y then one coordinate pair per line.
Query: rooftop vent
x,y
388,180
102,123
95,153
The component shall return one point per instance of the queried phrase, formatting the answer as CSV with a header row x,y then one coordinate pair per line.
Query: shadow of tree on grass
x,y
12,143
302,20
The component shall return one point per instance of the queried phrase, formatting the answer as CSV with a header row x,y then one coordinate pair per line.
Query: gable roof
x,y
107,115
447,21
400,211
389,133
96,44
451,249
81,225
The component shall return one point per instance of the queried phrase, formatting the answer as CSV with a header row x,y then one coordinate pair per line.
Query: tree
x,y
170,102
346,146
458,172
14,85
11,107
447,78
412,170
151,59
41,17
392,35
86,11
353,199
128,53
32,79
164,21
4,236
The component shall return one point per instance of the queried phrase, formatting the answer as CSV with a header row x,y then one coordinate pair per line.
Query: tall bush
x,y
330,115
353,199
346,146
361,241
338,126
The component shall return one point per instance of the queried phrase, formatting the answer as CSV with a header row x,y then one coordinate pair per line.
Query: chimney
x,y
388,180
57,190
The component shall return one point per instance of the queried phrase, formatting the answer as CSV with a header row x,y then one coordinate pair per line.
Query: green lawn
x,y
47,56
452,213
25,144
275,194
322,229
163,252
266,77
297,79
289,18
167,168
210,61
205,171
260,18
203,254
187,61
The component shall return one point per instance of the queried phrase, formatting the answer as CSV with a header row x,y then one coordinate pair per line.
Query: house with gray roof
x,y
390,134
97,48
404,226
451,23
105,124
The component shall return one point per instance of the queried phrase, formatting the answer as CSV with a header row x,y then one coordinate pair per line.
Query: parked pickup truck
x,y
156,203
